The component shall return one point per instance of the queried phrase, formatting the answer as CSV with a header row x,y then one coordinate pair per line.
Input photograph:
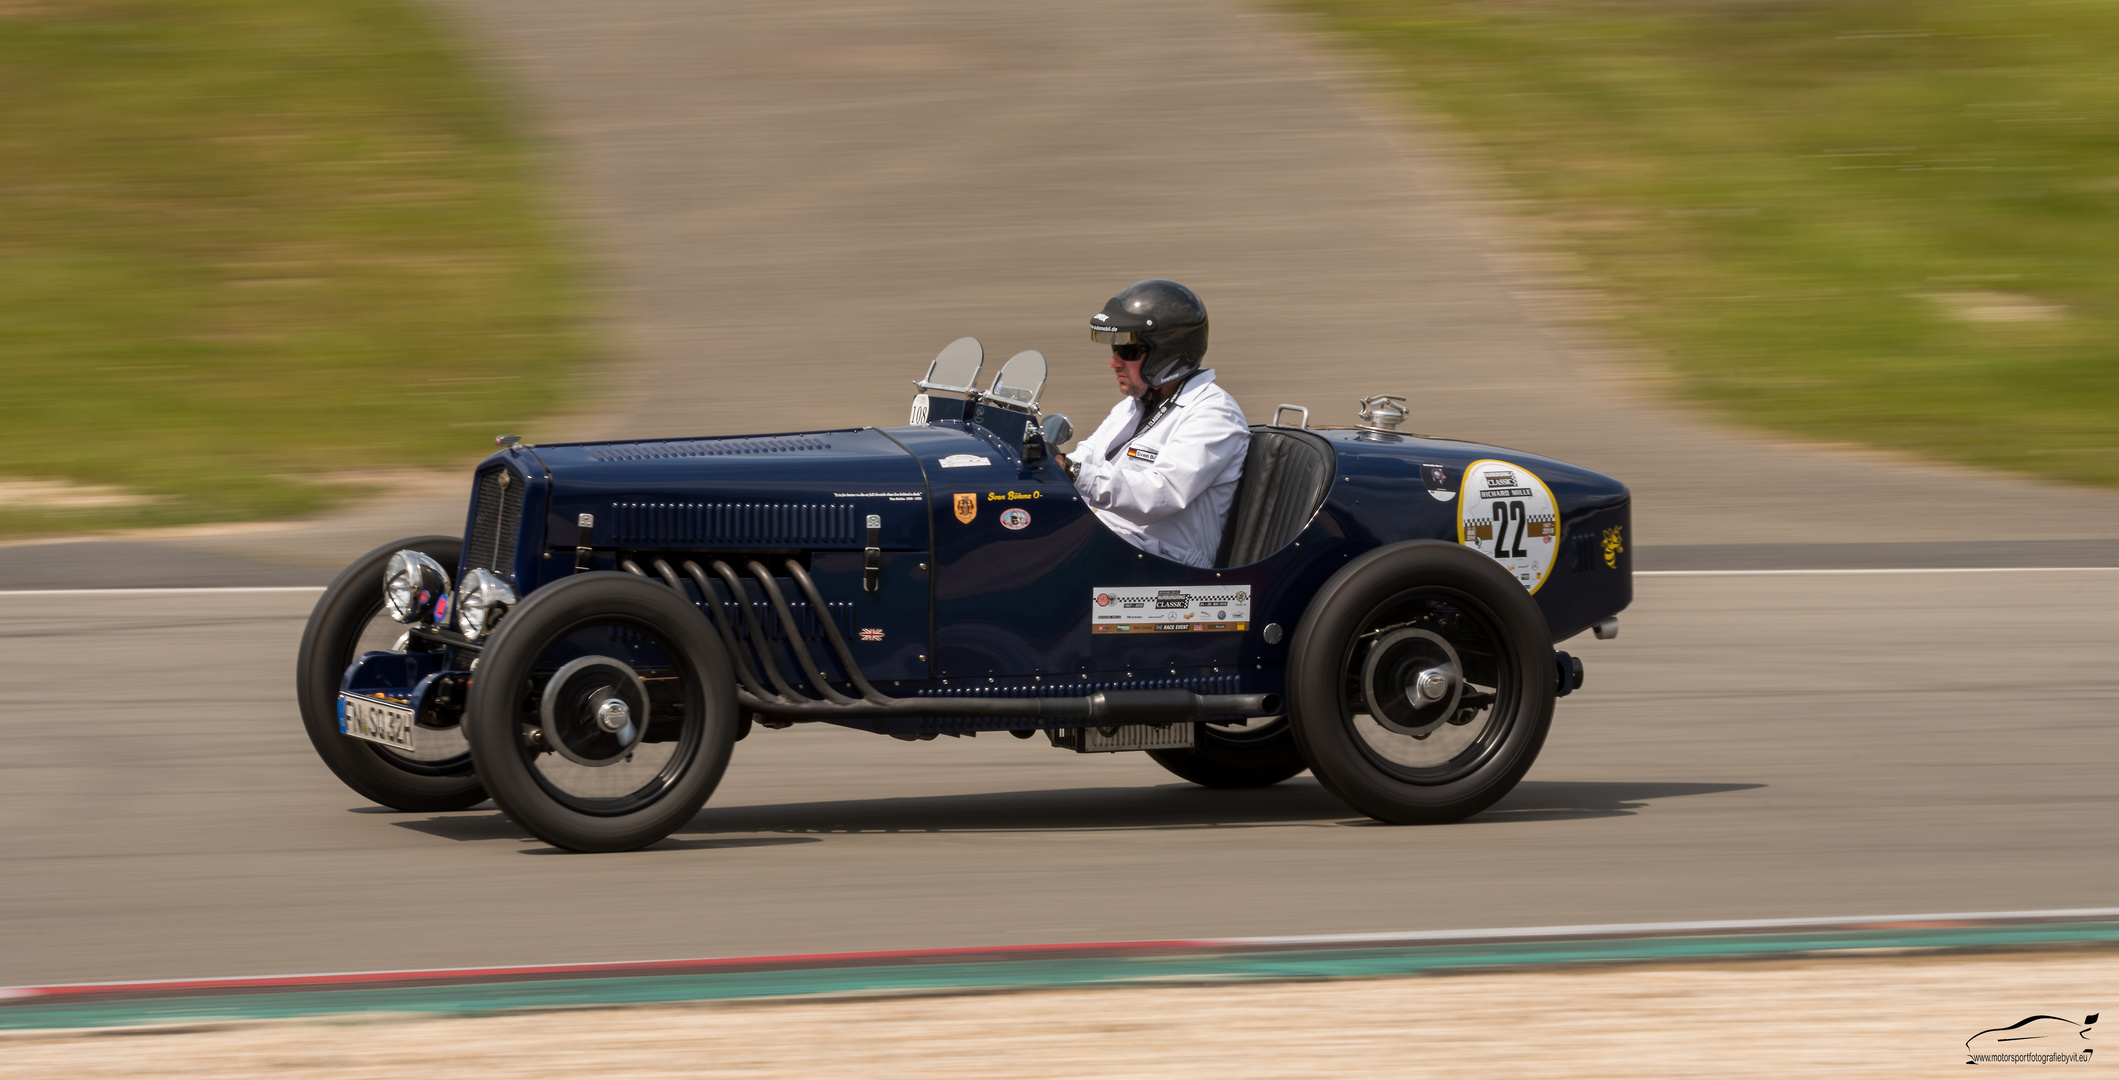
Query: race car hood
x,y
808,490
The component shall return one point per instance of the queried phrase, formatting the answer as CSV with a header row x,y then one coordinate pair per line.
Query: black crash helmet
x,y
1162,315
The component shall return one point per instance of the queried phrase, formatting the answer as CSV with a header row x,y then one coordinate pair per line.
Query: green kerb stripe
x,y
1204,966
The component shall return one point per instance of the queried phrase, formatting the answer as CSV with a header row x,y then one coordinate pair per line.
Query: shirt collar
x,y
1194,386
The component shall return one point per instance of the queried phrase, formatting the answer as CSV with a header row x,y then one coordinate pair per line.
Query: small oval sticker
x,y
1015,517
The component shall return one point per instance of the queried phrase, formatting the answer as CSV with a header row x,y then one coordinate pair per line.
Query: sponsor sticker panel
x,y
1157,609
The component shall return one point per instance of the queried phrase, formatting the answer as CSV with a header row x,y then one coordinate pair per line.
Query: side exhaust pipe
x,y
1101,709
1160,706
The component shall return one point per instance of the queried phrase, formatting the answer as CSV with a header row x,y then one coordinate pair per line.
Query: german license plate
x,y
375,721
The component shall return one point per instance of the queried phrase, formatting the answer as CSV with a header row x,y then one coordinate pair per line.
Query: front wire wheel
x,y
1421,683
348,621
602,713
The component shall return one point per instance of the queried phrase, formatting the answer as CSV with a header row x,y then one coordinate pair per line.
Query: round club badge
x,y
1508,514
1015,517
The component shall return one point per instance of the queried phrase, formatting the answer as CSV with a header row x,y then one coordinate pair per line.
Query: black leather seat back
x,y
1285,478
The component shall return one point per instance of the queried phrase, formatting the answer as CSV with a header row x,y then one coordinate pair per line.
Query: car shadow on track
x,y
1297,803
493,825
1563,800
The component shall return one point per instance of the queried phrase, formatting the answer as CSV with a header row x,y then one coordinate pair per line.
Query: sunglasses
x,y
1130,353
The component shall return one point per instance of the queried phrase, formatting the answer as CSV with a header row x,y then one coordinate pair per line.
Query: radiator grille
x,y
496,522
734,524
694,448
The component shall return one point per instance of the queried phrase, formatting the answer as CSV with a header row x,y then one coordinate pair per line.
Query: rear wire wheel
x,y
1421,683
348,621
603,712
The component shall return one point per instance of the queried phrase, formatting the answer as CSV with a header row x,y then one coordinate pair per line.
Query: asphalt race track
x,y
796,204
1751,746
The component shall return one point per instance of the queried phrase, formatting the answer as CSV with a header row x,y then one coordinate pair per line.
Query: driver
x,y
1161,471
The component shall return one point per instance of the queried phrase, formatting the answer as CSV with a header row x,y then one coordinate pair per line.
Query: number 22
x,y
1503,514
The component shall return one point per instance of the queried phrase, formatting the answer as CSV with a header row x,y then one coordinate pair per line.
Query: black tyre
x,y
1259,754
1421,683
603,712
348,621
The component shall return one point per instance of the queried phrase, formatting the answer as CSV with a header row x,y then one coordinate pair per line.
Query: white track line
x,y
1606,929
1892,570
193,591
166,592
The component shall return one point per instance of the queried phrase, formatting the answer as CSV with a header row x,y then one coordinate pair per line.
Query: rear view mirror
x,y
1057,430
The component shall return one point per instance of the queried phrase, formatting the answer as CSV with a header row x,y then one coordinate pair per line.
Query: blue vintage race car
x,y
617,615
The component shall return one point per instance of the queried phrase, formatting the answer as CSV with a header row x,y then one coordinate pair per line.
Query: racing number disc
x,y
1507,514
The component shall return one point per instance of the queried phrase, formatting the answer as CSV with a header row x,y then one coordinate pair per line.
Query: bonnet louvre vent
x,y
496,523
807,625
735,524
697,448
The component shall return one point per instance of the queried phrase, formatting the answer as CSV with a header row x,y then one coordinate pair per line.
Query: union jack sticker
x,y
871,633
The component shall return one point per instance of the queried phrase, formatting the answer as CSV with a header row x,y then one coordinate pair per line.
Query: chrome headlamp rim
x,y
416,589
483,598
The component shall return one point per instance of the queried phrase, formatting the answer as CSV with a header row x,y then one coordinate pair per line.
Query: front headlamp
x,y
485,597
416,589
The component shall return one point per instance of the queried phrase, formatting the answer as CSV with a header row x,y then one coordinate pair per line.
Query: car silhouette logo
x,y
2033,1038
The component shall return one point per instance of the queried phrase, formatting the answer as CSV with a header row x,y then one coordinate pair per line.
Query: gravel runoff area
x,y
1872,1016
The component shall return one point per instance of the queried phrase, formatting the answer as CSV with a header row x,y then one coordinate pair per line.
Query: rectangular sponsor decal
x,y
1169,609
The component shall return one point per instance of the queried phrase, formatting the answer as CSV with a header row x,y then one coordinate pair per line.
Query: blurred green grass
x,y
254,247
1883,221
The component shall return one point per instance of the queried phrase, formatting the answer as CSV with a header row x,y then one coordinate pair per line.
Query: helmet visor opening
x,y
1112,337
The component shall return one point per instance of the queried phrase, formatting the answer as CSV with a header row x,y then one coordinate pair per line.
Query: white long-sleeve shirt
x,y
1168,489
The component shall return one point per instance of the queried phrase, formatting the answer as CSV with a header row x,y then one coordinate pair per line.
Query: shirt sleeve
x,y
1194,458
1097,441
